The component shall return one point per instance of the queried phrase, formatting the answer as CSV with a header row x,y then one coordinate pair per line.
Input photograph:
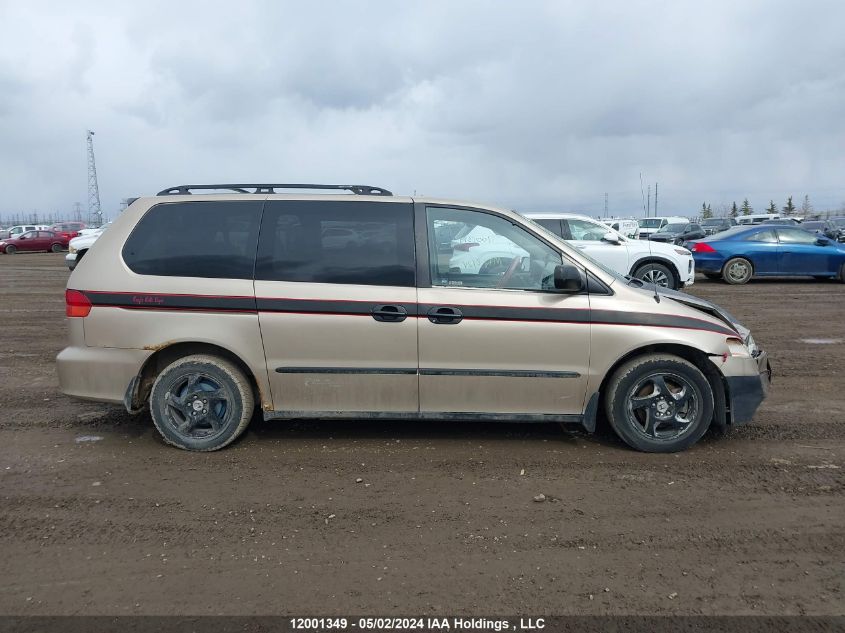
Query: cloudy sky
x,y
532,105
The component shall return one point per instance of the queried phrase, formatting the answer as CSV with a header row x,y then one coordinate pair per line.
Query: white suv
x,y
653,262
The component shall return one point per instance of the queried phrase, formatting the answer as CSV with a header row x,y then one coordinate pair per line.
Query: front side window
x,y
796,236
337,242
196,239
488,252
582,230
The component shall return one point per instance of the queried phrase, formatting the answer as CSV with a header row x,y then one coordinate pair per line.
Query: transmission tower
x,y
77,211
95,213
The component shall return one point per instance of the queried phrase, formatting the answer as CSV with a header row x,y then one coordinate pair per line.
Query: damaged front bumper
x,y
746,393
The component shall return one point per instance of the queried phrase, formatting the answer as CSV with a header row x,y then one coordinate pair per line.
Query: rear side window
x,y
762,236
196,239
337,242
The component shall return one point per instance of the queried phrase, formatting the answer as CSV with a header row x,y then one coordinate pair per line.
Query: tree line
x,y
745,208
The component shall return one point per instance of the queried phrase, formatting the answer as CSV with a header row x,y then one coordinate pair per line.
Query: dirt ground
x,y
443,521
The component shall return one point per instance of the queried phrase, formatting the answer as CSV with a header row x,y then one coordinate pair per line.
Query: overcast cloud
x,y
533,105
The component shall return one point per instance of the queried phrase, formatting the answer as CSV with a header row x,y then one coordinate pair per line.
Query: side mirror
x,y
568,278
611,237
822,241
23,237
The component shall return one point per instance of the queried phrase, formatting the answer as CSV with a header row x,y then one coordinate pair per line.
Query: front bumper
x,y
70,260
746,393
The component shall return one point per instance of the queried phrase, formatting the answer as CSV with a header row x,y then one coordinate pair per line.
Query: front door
x,y
799,254
335,290
494,337
587,236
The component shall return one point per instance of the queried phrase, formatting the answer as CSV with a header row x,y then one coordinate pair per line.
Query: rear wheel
x,y
201,403
11,249
659,403
737,271
56,248
841,276
657,274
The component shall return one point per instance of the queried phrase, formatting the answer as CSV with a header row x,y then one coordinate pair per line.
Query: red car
x,y
68,229
34,241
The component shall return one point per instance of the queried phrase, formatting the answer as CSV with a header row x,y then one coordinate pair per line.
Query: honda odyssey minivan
x,y
307,303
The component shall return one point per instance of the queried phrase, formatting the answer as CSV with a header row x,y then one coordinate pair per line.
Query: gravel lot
x,y
98,516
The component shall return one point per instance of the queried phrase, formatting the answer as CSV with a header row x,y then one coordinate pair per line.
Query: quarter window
x,y
196,239
762,236
334,242
488,251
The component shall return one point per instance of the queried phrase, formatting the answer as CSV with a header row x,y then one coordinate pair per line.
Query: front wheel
x,y
657,274
737,271
659,403
201,403
11,249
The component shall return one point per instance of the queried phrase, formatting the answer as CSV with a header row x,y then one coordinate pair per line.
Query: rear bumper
x,y
98,373
746,393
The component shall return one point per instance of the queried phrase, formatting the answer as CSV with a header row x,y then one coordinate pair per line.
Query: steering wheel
x,y
506,277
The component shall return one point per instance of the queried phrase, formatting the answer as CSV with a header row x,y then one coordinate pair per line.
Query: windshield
x,y
840,222
674,228
713,222
650,223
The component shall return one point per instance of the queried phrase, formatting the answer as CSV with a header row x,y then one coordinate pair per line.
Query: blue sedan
x,y
741,253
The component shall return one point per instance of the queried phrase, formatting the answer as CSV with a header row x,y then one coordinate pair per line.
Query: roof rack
x,y
361,190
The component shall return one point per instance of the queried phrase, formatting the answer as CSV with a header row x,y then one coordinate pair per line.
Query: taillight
x,y
465,246
76,304
703,247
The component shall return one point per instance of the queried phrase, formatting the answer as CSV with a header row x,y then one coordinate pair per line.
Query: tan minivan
x,y
343,301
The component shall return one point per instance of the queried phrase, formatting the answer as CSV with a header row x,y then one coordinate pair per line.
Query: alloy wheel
x,y
196,406
663,406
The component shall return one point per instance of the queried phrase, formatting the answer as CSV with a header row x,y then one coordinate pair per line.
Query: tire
x,y
671,417
737,271
713,276
182,384
11,249
56,248
662,275
841,276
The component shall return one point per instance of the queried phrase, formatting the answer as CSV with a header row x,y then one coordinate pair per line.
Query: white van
x,y
627,227
653,225
757,218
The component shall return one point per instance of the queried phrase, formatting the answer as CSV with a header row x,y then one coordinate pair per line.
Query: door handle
x,y
444,315
390,313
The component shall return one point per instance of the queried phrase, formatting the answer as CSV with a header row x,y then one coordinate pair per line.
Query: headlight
x,y
71,249
751,345
683,251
